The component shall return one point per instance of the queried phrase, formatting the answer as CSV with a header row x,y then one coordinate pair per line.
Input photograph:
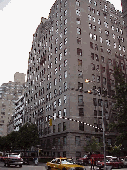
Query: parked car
x,y
113,162
85,160
12,159
124,161
63,164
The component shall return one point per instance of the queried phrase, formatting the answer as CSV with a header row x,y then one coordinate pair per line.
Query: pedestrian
x,y
92,163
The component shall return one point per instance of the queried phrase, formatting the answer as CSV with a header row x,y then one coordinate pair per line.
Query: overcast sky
x,y
18,22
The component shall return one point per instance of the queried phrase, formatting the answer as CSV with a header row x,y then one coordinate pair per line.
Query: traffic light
x,y
50,122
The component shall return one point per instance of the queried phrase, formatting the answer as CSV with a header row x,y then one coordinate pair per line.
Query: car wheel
x,y
119,166
20,165
49,168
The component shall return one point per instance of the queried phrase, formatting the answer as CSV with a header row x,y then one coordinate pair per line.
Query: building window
x,y
64,126
81,126
78,40
65,21
65,74
93,66
65,41
98,79
60,67
77,3
59,113
79,51
55,82
92,56
55,71
60,78
60,46
59,127
59,102
65,86
79,62
60,90
65,12
77,141
65,3
65,31
53,128
56,50
56,60
80,99
65,51
79,31
65,99
81,112
94,101
104,80
78,12
78,21
64,112
65,63
60,56
91,45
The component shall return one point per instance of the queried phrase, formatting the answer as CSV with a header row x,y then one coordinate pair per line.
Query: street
x,y
39,167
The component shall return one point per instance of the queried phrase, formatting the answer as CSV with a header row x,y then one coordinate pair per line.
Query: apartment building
x,y
9,93
124,9
81,39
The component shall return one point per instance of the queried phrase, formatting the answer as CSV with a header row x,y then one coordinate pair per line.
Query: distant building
x,y
19,77
81,39
9,93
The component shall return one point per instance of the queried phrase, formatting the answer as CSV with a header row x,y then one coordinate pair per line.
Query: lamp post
x,y
103,124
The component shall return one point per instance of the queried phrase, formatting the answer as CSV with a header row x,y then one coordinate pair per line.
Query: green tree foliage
x,y
26,137
120,106
93,145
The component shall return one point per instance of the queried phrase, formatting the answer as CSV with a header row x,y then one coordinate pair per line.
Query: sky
x,y
18,22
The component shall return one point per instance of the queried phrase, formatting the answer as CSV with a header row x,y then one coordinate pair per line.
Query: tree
x,y
28,136
120,106
93,145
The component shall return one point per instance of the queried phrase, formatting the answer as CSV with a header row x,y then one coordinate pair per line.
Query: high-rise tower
x,y
124,8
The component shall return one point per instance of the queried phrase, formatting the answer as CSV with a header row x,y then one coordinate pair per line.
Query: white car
x,y
125,161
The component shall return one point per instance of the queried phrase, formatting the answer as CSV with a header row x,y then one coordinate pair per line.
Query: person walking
x,y
92,163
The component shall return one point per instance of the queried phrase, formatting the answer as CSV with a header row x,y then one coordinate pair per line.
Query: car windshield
x,y
14,156
67,161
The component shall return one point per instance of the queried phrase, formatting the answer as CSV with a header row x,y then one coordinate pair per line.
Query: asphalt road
x,y
39,167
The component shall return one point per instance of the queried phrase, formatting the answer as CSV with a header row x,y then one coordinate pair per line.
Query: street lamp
x,y
103,125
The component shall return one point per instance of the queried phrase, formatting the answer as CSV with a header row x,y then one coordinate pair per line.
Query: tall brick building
x,y
124,7
81,39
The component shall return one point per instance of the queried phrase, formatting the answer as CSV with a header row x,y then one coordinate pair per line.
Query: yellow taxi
x,y
63,164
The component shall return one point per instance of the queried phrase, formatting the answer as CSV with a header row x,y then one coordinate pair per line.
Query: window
x,y
104,80
65,63
90,26
77,3
56,40
65,41
78,12
93,77
94,27
95,3
60,90
77,140
79,62
56,50
64,138
65,51
101,40
60,67
64,112
79,51
53,128
56,23
81,126
95,37
55,71
108,42
78,40
78,21
91,35
114,45
65,12
89,17
60,78
124,49
80,99
65,31
98,13
79,31
56,30
54,104
65,99
55,82
91,45
99,21
98,79
59,127
60,46
94,101
60,56
65,74
65,86
61,18
59,113
93,66
92,56
81,112
65,21
56,60
55,91
93,19
65,3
